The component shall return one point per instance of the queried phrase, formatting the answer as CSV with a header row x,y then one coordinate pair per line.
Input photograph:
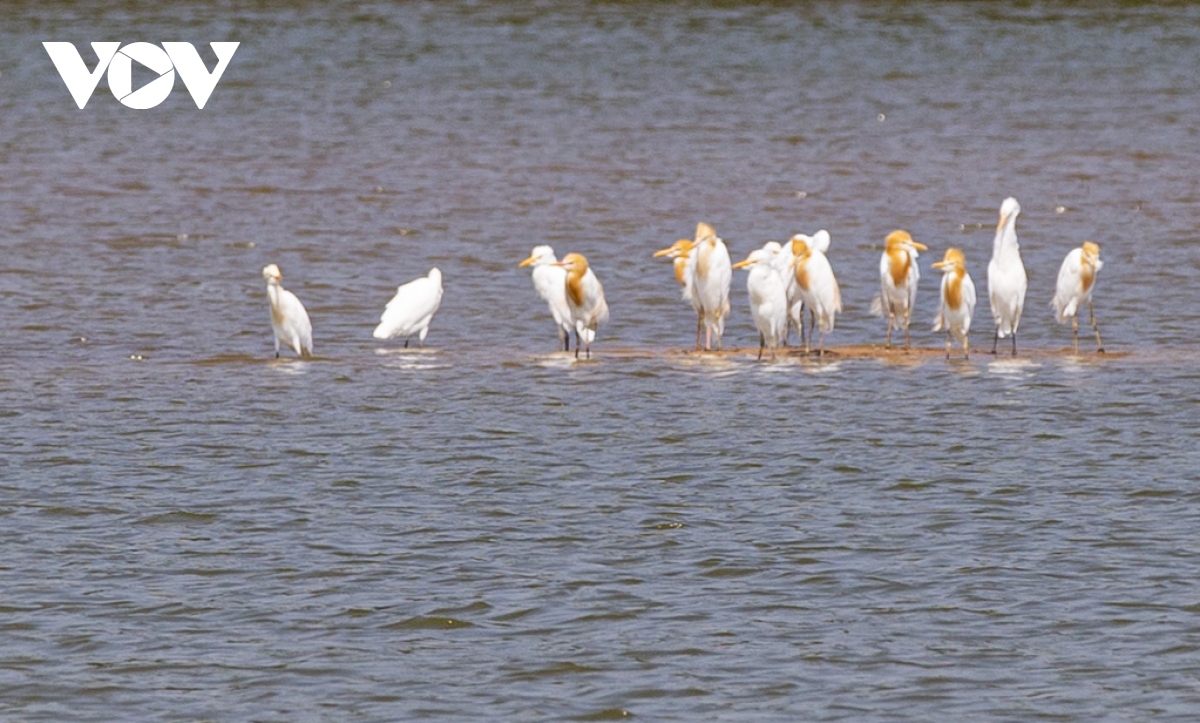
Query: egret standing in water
x,y
585,299
714,275
684,261
819,241
1076,279
768,296
411,309
288,316
899,274
818,289
550,281
1006,276
958,300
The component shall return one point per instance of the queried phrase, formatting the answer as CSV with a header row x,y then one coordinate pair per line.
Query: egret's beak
x,y
920,246
941,265
681,248
527,261
743,264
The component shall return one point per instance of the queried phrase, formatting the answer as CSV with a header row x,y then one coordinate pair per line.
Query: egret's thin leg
x,y
1099,344
803,308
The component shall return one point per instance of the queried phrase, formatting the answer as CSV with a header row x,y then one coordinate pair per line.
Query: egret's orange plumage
x,y
1091,254
802,266
952,292
958,300
680,264
577,266
714,274
899,274
818,289
898,259
683,255
679,253
585,299
1076,281
704,231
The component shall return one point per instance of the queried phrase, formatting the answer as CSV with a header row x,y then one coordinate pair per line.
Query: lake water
x,y
486,529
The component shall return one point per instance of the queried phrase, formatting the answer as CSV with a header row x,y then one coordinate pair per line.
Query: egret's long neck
x,y
1087,273
898,264
1006,240
273,296
681,265
703,254
575,285
953,288
801,272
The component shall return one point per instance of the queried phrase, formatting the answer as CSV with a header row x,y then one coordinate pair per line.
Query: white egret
x,y
958,300
819,241
818,290
1006,276
411,309
714,275
898,275
684,261
1076,279
289,319
550,281
768,296
585,299
779,260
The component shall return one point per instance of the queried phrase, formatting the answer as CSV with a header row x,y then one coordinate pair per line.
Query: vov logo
x,y
118,61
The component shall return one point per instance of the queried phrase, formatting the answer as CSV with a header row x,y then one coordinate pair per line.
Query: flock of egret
x,y
408,313
784,280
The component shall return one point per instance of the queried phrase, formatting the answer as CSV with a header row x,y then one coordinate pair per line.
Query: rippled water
x,y
485,529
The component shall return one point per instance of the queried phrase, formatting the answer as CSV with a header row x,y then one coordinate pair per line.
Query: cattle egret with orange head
x,y
1076,279
585,299
899,274
289,319
818,289
714,274
684,260
958,300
